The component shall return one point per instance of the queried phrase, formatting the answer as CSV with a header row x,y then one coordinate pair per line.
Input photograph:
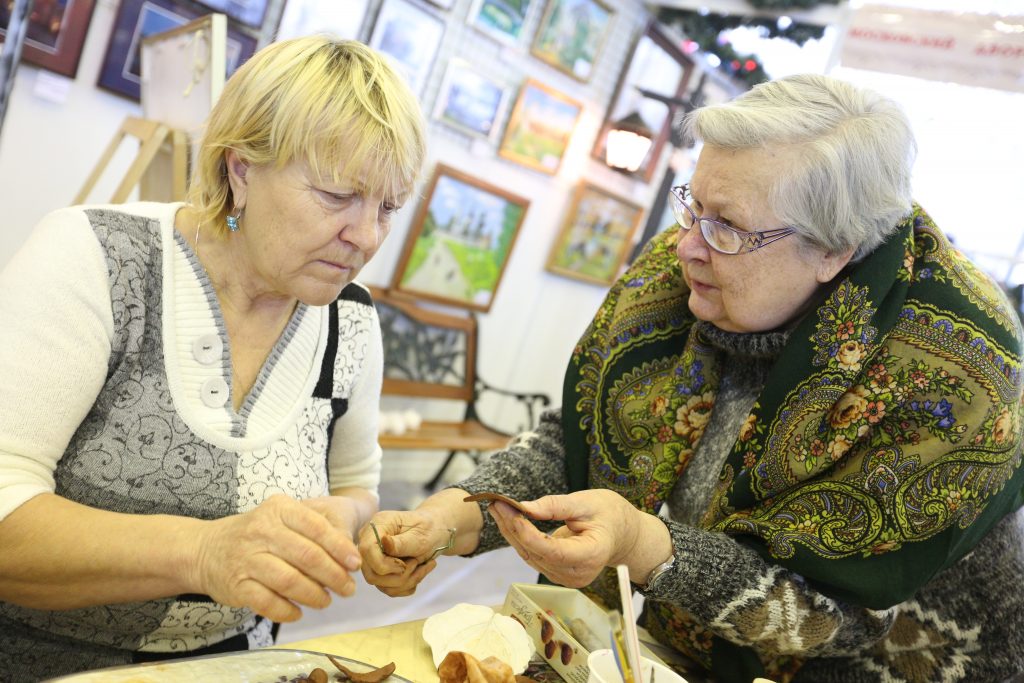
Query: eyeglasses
x,y
723,238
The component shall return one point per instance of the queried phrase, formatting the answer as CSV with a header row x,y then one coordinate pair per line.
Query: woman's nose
x,y
692,245
361,229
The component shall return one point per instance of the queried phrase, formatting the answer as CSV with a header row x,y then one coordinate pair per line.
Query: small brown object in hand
x,y
374,676
491,497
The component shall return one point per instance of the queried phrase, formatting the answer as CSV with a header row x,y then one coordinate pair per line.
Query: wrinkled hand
x,y
409,539
601,529
279,556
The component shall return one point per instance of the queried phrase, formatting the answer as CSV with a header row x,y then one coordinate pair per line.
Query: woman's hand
x,y
602,529
409,540
283,554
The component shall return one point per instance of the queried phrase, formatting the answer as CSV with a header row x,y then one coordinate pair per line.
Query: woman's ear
x,y
831,264
237,178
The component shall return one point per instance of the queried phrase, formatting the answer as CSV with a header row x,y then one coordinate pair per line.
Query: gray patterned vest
x,y
133,453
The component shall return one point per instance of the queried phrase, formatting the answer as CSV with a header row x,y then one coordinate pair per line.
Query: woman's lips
x,y
699,286
334,265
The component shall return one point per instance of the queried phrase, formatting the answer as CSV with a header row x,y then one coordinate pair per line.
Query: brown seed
x,y
317,676
547,631
567,653
549,649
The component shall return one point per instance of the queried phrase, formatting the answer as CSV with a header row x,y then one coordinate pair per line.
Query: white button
x,y
207,349
214,392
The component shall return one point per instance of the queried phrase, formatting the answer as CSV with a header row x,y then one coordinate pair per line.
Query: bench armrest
x,y
533,402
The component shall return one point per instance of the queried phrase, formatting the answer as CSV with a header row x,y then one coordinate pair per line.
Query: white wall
x,y
47,149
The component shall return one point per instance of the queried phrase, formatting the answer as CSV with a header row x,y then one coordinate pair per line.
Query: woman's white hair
x,y
851,184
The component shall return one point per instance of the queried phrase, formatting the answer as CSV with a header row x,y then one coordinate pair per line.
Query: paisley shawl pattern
x,y
884,437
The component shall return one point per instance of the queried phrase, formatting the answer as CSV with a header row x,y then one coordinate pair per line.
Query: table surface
x,y
402,644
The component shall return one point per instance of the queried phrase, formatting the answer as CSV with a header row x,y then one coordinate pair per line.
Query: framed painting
x,y
596,236
539,129
411,36
470,101
656,65
249,12
136,19
571,35
500,19
55,33
460,241
305,17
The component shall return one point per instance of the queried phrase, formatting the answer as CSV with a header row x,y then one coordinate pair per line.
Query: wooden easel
x,y
152,137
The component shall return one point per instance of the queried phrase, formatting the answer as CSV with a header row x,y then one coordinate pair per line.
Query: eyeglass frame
x,y
752,240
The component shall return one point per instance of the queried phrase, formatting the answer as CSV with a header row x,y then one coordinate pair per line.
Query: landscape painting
x,y
460,241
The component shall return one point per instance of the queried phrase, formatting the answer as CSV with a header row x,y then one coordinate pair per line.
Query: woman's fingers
x,y
569,557
400,585
399,555
281,552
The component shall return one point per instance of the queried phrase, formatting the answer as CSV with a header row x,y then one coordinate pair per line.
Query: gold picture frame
x,y
596,235
540,127
460,241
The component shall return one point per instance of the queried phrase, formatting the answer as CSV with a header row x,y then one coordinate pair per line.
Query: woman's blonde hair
x,y
336,105
851,184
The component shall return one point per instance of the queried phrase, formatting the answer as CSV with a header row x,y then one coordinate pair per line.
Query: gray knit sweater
x,y
965,624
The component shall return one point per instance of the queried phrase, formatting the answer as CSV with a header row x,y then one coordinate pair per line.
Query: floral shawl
x,y
884,445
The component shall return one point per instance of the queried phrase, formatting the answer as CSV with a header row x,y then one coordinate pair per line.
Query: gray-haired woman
x,y
796,419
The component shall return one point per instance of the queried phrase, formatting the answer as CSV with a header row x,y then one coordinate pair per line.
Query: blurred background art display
x,y
55,33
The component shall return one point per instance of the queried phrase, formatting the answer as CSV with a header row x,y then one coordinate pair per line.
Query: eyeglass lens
x,y
717,235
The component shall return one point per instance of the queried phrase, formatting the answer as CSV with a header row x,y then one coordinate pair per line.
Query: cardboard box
x,y
557,620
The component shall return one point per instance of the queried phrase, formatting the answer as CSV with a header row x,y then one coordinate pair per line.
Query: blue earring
x,y
232,220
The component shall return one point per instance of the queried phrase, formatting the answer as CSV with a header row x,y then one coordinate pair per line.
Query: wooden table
x,y
402,644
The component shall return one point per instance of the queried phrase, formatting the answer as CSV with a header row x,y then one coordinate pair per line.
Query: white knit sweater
x,y
56,331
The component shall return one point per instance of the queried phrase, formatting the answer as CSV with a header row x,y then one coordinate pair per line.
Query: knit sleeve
x,y
56,328
355,456
530,467
738,596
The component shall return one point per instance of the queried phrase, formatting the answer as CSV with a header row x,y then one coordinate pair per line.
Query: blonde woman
x,y
188,419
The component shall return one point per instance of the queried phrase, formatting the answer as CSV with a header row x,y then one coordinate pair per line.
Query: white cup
x,y
604,670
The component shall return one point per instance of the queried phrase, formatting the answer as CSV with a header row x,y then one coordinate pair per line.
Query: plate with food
x,y
252,666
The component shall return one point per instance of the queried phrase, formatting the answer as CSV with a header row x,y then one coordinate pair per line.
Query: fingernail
x,y
352,562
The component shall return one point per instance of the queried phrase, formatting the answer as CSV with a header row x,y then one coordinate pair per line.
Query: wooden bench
x,y
429,354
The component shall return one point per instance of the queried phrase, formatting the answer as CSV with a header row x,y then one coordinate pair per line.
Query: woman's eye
x,y
336,197
389,208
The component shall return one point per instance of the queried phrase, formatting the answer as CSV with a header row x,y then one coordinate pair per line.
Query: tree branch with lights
x,y
707,30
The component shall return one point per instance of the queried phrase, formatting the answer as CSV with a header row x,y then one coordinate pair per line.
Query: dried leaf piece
x,y
491,497
374,676
461,667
